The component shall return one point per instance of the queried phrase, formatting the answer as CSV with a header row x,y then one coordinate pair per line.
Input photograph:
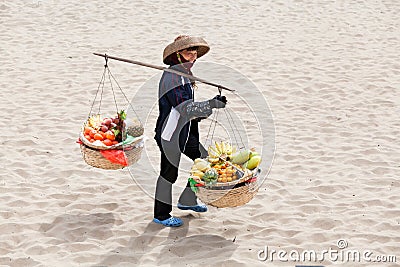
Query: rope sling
x,y
100,87
128,148
237,137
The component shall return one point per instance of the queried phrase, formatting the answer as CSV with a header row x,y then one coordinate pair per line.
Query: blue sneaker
x,y
196,208
170,222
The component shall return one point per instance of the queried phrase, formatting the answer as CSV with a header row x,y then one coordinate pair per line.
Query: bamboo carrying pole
x,y
165,69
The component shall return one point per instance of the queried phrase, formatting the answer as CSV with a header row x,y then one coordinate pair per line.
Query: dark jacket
x,y
176,91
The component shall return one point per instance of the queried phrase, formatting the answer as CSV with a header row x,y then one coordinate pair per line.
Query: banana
x,y
90,122
228,149
218,147
212,152
94,121
215,147
213,160
223,147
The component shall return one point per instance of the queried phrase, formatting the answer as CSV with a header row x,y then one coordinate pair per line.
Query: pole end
x,y
100,55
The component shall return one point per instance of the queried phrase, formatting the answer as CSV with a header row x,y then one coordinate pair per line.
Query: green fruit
x,y
253,153
135,131
240,157
210,176
253,162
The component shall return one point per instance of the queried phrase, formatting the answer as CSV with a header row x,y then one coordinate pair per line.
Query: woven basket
x,y
232,194
93,157
228,197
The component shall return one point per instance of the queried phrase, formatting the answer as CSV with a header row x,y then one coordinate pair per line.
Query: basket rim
x,y
120,145
250,175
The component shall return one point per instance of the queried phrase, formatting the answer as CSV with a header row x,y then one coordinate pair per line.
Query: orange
x,y
92,132
87,130
110,135
98,136
107,142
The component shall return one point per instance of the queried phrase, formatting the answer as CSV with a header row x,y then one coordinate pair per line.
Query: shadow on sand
x,y
152,248
78,228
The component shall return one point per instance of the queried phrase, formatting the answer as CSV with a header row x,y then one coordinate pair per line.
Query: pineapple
x,y
134,128
210,176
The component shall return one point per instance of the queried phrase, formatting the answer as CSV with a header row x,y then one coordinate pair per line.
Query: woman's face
x,y
190,56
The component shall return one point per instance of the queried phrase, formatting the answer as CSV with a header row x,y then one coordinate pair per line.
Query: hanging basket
x,y
228,195
123,154
228,176
111,143
95,158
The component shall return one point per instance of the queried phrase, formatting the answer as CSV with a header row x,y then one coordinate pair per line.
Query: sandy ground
x,y
329,71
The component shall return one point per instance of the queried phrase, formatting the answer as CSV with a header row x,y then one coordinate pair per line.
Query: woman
x,y
177,126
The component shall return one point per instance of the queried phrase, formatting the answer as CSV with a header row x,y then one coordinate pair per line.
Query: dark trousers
x,y
168,176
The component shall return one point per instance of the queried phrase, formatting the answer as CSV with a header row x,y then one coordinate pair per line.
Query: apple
x,y
104,128
107,121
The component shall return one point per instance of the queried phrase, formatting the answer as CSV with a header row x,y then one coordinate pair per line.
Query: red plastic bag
x,y
115,156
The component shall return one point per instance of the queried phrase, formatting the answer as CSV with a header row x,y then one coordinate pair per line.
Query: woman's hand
x,y
218,101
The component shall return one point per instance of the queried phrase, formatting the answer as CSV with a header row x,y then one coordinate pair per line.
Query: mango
x,y
253,162
254,153
201,164
240,157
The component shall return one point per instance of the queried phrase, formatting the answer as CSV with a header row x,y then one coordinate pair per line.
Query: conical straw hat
x,y
183,42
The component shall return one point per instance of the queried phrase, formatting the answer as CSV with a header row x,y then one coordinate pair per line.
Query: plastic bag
x,y
115,156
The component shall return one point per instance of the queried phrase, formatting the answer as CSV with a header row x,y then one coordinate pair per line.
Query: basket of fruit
x,y
111,143
226,178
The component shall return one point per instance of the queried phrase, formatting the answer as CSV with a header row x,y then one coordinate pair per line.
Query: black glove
x,y
199,119
218,101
